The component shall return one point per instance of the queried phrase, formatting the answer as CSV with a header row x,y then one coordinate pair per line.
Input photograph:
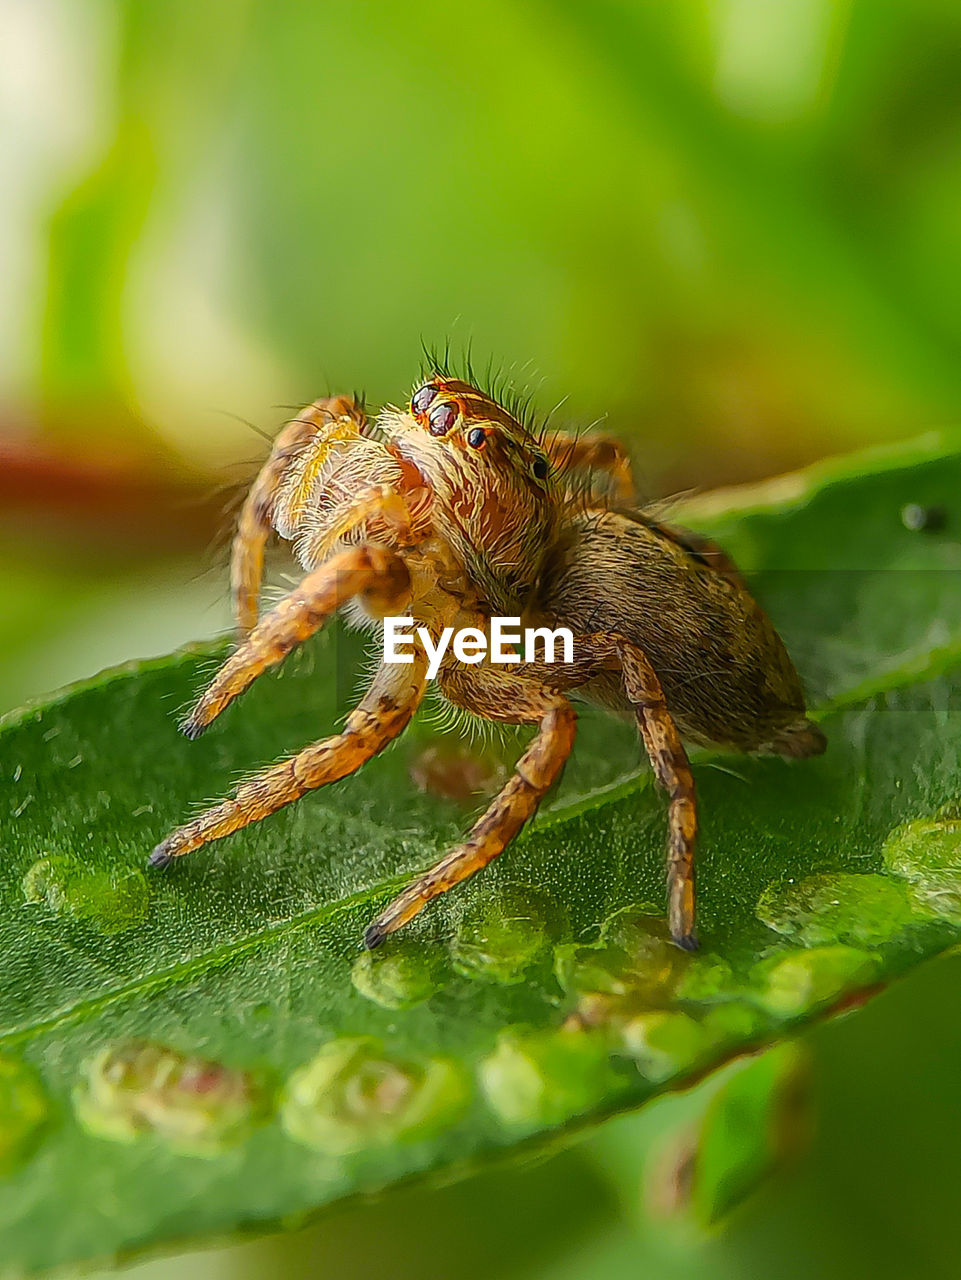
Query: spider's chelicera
x,y
452,513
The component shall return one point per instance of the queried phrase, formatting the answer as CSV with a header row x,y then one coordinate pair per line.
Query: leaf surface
x,y
207,1051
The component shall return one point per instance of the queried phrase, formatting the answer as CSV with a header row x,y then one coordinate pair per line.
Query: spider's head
x,y
494,495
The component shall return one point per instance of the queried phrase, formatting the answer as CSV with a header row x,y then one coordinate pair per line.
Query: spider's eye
x,y
476,437
441,418
539,467
420,401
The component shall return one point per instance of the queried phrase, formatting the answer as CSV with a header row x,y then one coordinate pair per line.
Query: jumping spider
x,y
451,511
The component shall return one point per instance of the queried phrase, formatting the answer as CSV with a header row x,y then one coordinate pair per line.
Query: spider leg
x,y
671,768
673,771
377,500
368,569
600,454
384,712
254,524
534,773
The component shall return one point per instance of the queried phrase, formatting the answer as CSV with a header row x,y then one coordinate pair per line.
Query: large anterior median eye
x,y
441,418
421,400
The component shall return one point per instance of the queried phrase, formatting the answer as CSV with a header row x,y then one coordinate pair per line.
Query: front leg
x,y
336,419
534,774
385,712
374,572
377,505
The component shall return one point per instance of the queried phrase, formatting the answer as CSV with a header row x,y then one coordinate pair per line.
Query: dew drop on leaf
x,y
860,909
706,979
547,1077
110,900
399,975
137,1089
917,518
796,982
927,853
505,932
24,1111
351,1096
633,966
664,1044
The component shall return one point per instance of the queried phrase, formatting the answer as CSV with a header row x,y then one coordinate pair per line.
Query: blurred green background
x,y
728,227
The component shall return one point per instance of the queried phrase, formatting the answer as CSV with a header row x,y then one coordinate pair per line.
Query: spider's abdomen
x,y
726,675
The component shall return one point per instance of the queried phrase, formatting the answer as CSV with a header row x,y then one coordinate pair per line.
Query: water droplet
x,y
633,956
706,979
110,900
732,1024
24,1112
799,981
505,932
863,910
545,1077
136,1089
665,1044
927,852
351,1097
398,975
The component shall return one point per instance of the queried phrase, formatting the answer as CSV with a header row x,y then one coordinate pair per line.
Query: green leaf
x,y
752,1127
207,1050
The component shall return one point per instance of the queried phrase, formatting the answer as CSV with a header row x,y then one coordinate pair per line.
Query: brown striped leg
x,y
384,712
534,773
379,500
368,570
673,771
254,524
602,455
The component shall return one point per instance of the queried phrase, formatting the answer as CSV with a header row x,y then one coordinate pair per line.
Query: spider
x,y
453,511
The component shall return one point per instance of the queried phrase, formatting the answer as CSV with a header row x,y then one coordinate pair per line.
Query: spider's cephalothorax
x,y
494,494
452,512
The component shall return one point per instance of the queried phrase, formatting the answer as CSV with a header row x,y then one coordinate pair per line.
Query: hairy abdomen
x,y
726,675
